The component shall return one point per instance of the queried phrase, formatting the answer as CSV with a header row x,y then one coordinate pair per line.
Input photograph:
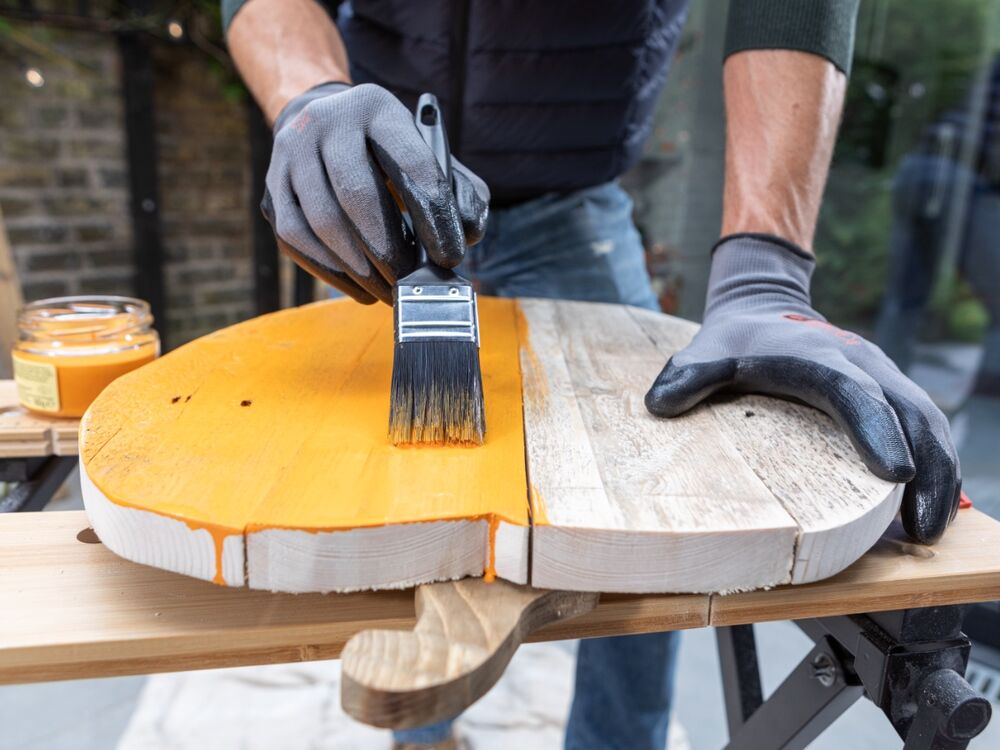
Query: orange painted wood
x,y
279,424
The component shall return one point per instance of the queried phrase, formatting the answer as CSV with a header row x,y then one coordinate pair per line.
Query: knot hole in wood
x,y
88,536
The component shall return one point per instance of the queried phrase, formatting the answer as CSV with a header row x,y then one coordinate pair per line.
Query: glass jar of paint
x,y
70,348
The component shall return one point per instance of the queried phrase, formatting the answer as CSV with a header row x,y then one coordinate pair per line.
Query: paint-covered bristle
x,y
437,394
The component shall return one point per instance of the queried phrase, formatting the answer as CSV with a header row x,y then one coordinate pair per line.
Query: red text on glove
x,y
847,337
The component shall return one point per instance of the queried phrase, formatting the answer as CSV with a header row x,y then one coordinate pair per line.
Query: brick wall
x,y
63,172
64,180
204,177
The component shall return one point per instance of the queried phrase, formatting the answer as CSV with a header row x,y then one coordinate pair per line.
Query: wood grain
x,y
466,633
808,463
562,469
895,574
73,609
24,435
266,441
681,510
805,461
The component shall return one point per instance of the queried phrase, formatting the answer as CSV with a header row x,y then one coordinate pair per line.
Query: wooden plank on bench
x,y
72,609
963,567
26,435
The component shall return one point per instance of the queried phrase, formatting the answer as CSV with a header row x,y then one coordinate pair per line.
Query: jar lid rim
x,y
113,299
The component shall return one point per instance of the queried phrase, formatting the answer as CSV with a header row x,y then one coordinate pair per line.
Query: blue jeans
x,y
583,246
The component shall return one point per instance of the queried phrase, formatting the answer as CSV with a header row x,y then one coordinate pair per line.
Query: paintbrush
x,y
437,384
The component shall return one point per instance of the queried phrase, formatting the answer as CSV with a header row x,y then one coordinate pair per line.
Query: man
x,y
548,102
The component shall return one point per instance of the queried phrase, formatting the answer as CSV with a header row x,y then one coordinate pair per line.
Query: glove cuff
x,y
745,265
300,102
767,238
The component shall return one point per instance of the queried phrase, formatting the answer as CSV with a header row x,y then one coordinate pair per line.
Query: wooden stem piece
x,y
466,633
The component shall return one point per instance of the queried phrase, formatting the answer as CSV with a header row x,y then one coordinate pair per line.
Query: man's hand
x,y
336,151
760,334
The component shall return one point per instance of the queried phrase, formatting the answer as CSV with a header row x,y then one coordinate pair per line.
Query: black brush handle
x,y
430,123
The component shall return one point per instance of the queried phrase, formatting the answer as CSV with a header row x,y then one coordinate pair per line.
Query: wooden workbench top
x,y
69,608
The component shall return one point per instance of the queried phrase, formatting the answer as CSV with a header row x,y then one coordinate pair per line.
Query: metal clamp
x,y
910,663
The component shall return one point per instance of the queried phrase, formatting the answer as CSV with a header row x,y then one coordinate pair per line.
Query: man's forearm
x,y
285,47
782,110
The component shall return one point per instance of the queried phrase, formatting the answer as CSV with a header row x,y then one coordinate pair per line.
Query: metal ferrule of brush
x,y
434,304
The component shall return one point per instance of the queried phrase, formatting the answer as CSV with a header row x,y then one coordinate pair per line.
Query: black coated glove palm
x,y
335,149
761,334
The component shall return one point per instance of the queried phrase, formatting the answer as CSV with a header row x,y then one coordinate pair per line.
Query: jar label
x,y
37,384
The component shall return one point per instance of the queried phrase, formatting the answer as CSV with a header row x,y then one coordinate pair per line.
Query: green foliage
x,y
914,60
956,313
851,242
203,22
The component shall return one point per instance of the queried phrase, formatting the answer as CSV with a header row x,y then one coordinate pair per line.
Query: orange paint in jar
x,y
71,348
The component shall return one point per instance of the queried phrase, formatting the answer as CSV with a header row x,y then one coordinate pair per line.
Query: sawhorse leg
x,y
37,481
910,663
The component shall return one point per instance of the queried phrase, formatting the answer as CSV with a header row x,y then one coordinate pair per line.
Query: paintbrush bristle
x,y
437,394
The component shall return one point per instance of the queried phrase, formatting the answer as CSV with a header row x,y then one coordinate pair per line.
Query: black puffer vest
x,y
540,95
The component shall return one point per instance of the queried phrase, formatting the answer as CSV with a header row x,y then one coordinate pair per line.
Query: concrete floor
x,y
232,708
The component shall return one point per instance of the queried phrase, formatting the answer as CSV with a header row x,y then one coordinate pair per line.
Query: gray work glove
x,y
335,148
761,335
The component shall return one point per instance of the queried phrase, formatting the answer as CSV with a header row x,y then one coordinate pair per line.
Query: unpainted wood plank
x,y
684,511
640,456
73,609
26,449
24,434
806,461
34,448
631,614
963,567
391,556
668,333
562,469
66,448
